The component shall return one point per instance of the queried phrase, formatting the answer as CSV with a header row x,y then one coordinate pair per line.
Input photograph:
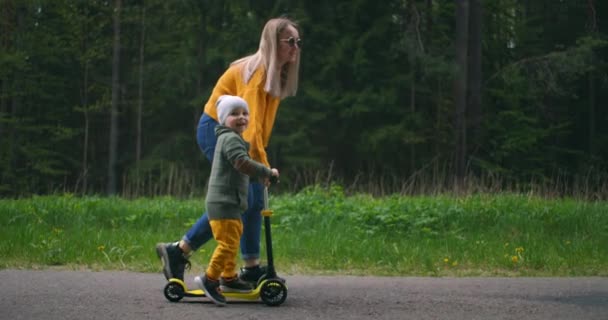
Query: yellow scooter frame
x,y
273,292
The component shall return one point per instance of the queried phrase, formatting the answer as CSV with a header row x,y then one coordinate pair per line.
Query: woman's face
x,y
289,45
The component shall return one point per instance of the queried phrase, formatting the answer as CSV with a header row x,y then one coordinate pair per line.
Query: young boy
x,y
227,197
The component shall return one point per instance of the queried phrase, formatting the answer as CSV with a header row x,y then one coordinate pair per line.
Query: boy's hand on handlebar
x,y
274,178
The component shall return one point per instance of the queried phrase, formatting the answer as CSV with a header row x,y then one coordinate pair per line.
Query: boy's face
x,y
238,120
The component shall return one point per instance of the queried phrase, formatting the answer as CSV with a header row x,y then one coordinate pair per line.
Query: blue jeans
x,y
200,232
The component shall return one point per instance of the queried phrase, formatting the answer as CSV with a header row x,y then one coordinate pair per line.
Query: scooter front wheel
x,y
174,291
273,292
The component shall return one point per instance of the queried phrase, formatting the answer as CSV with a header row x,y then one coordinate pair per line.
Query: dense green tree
x,y
375,110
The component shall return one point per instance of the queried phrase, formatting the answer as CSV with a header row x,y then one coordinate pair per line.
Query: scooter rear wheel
x,y
174,291
273,292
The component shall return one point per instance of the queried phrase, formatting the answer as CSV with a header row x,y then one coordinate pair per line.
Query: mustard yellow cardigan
x,y
262,107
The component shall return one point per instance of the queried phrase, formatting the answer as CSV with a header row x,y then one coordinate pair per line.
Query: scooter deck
x,y
251,295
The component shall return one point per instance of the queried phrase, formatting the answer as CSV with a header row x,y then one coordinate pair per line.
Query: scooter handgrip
x,y
274,179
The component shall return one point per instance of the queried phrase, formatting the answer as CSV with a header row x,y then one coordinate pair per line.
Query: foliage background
x,y
322,230
375,111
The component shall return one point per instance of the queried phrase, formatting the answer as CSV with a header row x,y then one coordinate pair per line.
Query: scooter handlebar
x,y
274,179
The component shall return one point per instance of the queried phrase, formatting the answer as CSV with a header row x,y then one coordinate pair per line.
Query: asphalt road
x,y
50,294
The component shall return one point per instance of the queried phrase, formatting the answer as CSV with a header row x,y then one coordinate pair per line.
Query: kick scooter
x,y
270,288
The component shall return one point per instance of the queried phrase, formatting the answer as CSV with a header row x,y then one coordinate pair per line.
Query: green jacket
x,y
230,172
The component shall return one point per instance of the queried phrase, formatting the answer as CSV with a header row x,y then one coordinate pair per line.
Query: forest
x,y
399,96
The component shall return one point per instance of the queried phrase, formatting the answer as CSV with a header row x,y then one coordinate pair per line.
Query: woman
x,y
262,79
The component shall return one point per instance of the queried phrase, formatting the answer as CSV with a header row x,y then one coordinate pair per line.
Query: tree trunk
x,y
412,111
11,37
429,17
591,114
592,26
3,102
475,72
200,56
460,89
6,24
113,146
140,99
85,151
412,29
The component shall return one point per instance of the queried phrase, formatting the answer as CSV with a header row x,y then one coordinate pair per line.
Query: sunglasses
x,y
293,41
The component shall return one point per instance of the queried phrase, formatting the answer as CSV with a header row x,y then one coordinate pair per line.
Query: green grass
x,y
324,231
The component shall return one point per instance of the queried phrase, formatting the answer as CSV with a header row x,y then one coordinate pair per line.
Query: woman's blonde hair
x,y
279,83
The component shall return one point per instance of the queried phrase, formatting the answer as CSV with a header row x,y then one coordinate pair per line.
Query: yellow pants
x,y
227,233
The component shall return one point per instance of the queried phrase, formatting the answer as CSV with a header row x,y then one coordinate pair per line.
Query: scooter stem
x,y
271,272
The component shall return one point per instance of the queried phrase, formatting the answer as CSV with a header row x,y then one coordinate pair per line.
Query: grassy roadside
x,y
323,231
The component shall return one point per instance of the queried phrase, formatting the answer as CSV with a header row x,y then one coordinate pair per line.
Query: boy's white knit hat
x,y
225,104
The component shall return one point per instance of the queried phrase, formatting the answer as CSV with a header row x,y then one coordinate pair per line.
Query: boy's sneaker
x,y
174,261
212,289
234,285
253,274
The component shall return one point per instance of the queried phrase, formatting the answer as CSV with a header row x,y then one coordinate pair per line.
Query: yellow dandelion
x,y
515,259
446,260
519,250
455,263
101,248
